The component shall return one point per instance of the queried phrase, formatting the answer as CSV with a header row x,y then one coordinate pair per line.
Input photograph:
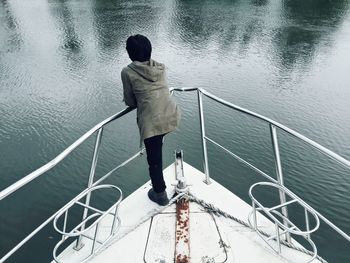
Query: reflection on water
x,y
259,2
64,17
296,41
11,39
71,46
59,75
109,25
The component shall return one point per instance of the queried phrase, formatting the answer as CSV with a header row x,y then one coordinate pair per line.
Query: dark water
x,y
60,65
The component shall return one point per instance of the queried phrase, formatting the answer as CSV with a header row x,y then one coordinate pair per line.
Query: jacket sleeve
x,y
129,97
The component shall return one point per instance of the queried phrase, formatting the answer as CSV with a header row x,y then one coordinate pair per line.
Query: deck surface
x,y
147,232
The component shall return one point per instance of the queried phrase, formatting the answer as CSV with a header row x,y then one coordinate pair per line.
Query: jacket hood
x,y
150,70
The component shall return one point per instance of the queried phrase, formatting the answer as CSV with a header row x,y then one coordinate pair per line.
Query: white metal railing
x,y
40,171
94,219
274,127
33,175
287,226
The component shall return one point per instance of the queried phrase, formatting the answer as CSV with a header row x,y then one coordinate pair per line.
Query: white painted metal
x,y
160,244
94,222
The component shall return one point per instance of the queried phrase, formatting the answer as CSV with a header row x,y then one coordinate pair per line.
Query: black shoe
x,y
159,198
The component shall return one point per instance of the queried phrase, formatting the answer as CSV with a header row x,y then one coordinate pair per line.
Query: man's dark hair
x,y
139,48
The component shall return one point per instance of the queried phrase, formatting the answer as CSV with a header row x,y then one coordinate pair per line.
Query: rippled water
x,y
60,65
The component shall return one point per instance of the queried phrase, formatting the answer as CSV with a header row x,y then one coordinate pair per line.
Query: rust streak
x,y
182,248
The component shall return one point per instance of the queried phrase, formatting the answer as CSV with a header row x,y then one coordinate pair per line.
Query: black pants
x,y
155,162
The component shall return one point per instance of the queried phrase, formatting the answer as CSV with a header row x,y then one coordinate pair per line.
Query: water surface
x,y
60,64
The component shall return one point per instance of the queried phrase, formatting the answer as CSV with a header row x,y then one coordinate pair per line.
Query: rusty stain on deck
x,y
182,235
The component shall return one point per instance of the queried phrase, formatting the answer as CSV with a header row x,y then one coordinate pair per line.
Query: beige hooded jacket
x,y
145,87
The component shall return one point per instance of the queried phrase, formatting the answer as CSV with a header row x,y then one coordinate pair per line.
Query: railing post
x,y
279,174
65,223
95,238
278,238
79,243
307,223
254,216
204,142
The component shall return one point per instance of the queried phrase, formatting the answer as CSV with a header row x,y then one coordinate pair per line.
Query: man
x,y
144,87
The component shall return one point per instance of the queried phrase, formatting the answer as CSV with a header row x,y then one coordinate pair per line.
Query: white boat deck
x,y
147,232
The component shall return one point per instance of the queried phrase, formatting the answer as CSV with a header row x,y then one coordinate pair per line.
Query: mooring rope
x,y
218,212
210,208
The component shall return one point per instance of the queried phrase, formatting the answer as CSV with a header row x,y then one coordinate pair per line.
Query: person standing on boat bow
x,y
144,87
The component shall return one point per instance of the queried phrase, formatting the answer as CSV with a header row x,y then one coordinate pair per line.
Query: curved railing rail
x,y
40,171
273,130
200,92
33,175
274,215
316,145
95,219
